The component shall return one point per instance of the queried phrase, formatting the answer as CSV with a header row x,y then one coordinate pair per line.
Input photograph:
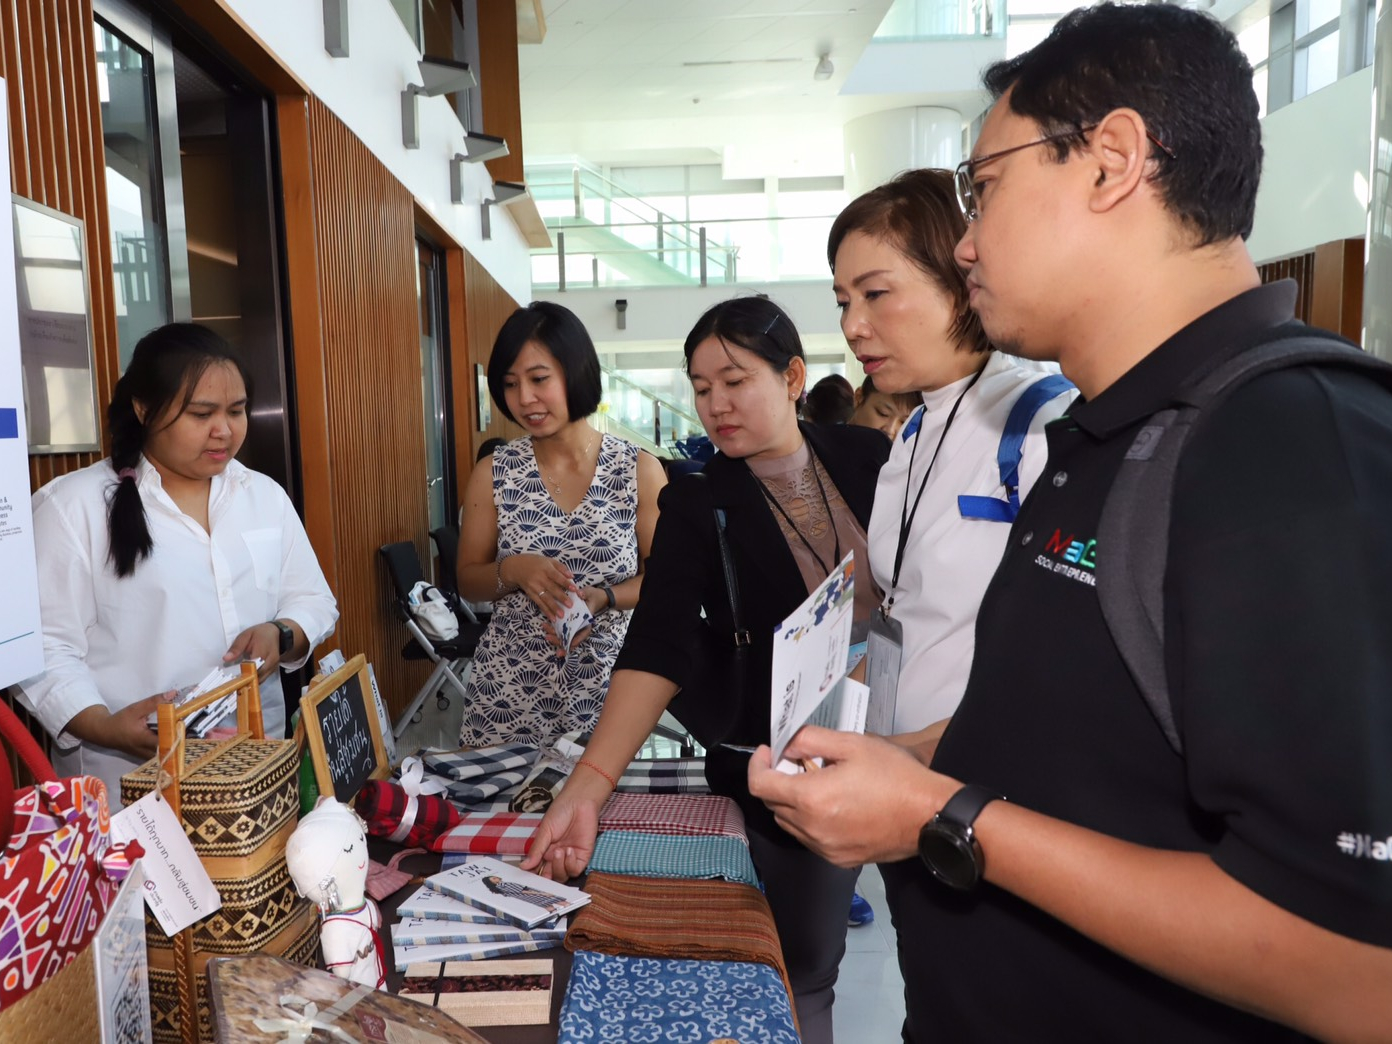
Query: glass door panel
x,y
433,383
134,187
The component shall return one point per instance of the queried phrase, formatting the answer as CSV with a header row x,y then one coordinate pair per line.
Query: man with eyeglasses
x,y
1108,886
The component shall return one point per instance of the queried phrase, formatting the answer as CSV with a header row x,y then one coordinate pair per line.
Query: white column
x,y
1377,275
882,144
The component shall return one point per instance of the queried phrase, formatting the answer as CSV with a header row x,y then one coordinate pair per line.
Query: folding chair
x,y
447,547
449,657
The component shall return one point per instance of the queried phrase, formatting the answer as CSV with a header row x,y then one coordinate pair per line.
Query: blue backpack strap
x,y
1008,454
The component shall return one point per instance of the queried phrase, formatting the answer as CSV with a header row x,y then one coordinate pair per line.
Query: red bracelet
x,y
595,768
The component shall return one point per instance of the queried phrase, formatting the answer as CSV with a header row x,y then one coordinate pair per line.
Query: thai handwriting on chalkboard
x,y
347,737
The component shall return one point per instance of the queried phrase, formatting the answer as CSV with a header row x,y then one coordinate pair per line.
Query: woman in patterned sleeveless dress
x,y
562,511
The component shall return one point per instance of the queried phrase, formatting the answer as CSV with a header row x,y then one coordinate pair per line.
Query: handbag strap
x,y
22,742
727,566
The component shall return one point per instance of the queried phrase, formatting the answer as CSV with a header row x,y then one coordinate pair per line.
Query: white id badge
x,y
883,653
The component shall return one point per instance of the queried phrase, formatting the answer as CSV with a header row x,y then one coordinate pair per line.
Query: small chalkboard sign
x,y
344,732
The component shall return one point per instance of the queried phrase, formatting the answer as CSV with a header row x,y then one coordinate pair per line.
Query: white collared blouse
x,y
109,640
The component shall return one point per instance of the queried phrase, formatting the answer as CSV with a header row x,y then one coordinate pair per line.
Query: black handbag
x,y
710,705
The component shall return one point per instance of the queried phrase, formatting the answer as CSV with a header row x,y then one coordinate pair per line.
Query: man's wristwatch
x,y
287,637
947,843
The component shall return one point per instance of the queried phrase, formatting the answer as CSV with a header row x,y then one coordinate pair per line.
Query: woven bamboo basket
x,y
239,802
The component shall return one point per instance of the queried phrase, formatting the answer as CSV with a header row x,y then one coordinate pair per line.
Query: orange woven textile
x,y
667,917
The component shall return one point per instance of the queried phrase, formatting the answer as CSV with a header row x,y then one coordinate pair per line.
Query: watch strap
x,y
287,636
965,805
609,597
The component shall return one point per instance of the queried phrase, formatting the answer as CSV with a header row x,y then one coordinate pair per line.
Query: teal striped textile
x,y
673,855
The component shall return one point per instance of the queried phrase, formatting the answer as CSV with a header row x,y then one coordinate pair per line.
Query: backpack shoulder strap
x,y
1011,449
1134,532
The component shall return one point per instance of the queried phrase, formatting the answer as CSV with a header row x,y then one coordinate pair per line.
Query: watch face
x,y
949,855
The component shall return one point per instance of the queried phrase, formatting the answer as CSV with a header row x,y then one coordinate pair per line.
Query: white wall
x,y
364,91
1314,186
664,315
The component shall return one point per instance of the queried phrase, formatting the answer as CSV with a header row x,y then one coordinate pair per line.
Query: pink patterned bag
x,y
54,891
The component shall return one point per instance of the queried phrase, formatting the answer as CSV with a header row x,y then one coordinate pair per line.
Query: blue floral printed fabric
x,y
645,1000
670,855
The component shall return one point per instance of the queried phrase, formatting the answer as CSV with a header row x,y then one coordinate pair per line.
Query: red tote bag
x,y
53,891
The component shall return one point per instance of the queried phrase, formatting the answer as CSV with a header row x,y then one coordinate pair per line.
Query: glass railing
x,y
644,417
605,236
926,20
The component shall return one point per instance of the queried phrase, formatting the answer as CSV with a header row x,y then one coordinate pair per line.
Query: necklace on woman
x,y
553,483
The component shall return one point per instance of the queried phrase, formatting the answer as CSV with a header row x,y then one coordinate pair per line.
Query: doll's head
x,y
327,856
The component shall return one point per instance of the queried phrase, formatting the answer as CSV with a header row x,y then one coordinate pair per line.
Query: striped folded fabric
x,y
466,765
692,920
665,776
692,814
641,999
485,795
670,855
481,833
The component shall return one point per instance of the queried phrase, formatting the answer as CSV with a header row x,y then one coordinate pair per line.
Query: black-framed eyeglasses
x,y
964,177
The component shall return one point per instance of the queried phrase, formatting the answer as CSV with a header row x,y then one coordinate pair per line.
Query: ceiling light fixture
x,y
438,76
824,68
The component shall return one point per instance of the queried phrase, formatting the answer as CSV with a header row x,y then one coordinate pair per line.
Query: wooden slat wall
x,y
1330,279
478,308
1336,301
498,77
57,158
1301,268
364,236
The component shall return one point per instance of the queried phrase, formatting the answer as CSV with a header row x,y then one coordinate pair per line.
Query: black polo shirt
x,y
1279,650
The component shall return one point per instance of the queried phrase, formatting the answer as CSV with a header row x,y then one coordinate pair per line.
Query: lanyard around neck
x,y
826,502
906,517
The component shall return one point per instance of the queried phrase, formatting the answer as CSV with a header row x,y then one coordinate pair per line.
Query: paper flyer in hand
x,y
577,617
522,898
811,652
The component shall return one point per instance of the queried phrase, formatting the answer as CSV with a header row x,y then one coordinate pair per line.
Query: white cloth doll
x,y
327,859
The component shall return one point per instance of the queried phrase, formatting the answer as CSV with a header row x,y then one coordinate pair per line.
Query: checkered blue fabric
x,y
474,765
671,855
645,1000
665,776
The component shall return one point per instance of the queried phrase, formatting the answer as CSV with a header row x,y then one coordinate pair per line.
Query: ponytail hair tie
x,y
126,473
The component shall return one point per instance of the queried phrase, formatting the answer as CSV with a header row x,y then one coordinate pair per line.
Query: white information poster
x,y
21,642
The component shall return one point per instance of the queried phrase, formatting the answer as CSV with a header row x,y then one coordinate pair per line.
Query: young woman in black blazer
x,y
796,498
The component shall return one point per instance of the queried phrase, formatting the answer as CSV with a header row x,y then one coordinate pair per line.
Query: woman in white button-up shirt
x,y
166,560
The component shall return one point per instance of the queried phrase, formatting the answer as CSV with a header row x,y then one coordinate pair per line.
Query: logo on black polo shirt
x,y
1365,846
1070,556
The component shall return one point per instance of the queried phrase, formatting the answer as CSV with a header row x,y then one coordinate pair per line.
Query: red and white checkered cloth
x,y
687,814
500,833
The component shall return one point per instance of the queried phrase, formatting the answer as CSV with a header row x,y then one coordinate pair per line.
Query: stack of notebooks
x,y
481,908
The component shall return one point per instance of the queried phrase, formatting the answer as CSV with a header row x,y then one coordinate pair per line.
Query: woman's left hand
x,y
261,642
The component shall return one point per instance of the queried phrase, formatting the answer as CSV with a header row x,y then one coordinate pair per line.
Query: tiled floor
x,y
869,993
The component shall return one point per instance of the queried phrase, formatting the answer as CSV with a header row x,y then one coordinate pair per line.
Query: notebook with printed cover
x,y
522,898
406,954
427,931
426,902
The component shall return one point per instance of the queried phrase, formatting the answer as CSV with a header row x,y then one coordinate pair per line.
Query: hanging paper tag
x,y
178,890
884,649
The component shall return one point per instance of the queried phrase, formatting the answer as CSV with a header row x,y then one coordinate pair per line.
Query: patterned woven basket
x,y
62,1010
239,802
